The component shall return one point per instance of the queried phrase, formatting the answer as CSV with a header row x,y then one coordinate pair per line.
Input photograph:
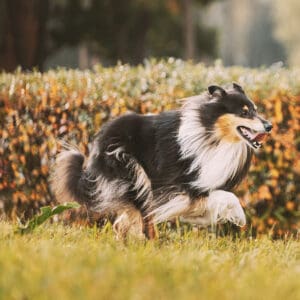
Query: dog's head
x,y
233,117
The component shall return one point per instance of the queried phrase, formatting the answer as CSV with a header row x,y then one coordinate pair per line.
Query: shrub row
x,y
37,109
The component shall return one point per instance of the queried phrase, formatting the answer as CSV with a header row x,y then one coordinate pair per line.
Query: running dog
x,y
147,169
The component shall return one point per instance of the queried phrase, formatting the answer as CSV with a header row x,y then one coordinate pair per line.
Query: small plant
x,y
46,213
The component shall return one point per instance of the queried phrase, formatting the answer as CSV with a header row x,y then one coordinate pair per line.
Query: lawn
x,y
61,262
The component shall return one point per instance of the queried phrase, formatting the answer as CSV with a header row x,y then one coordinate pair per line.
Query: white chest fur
x,y
217,165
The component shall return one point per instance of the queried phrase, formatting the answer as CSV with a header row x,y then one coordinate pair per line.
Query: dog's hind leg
x,y
129,223
144,195
140,185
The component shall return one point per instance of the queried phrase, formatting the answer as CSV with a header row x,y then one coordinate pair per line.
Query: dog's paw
x,y
129,224
225,207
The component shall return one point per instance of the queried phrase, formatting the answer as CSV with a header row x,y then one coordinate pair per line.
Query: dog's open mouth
x,y
254,138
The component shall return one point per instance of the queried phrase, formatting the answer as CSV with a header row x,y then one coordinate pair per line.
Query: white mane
x,y
215,163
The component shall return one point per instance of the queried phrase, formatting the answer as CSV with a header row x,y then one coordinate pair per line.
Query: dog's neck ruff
x,y
214,161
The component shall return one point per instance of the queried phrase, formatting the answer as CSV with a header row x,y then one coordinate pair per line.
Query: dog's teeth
x,y
256,144
250,135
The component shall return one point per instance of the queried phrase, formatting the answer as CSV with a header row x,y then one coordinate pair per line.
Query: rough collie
x,y
146,169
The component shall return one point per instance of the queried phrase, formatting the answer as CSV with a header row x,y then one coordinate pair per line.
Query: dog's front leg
x,y
220,207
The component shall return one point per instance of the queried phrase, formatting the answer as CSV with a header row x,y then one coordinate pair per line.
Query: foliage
x,y
61,262
37,109
46,213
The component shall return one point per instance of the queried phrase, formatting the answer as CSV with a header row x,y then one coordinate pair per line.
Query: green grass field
x,y
59,262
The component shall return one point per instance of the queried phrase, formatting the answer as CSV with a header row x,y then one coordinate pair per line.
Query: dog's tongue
x,y
260,137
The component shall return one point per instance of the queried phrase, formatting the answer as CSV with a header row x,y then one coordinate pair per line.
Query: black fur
x,y
148,139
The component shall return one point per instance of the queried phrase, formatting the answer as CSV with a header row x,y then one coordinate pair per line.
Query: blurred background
x,y
80,33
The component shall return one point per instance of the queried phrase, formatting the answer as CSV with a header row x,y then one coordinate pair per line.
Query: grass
x,y
60,262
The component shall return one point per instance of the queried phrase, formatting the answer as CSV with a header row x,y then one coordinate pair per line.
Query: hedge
x,y
37,109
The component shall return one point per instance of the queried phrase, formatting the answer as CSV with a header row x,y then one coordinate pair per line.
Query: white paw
x,y
225,207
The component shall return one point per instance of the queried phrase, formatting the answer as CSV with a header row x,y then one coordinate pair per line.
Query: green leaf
x,y
46,213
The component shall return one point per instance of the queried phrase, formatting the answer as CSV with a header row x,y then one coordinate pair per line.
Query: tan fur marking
x,y
226,128
245,107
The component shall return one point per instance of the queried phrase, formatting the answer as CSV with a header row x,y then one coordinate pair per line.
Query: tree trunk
x,y
23,42
189,30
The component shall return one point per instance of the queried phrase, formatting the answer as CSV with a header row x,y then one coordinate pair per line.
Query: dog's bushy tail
x,y
68,177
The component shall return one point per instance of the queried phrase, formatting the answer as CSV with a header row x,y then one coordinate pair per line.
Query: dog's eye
x,y
245,112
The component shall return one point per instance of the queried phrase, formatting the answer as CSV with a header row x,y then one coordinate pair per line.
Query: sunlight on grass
x,y
59,262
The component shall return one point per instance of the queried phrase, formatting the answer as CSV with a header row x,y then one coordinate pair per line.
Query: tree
x,y
287,27
189,29
23,33
189,26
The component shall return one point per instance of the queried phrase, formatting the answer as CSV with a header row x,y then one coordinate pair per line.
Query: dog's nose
x,y
268,126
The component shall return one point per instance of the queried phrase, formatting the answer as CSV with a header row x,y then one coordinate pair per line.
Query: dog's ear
x,y
238,88
216,90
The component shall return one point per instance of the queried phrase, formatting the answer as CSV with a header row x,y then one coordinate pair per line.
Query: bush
x,y
37,109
